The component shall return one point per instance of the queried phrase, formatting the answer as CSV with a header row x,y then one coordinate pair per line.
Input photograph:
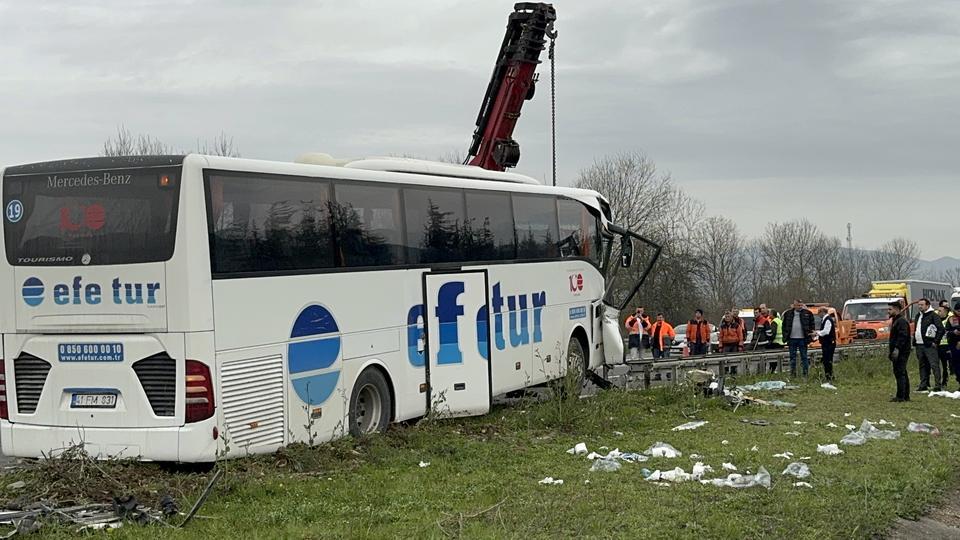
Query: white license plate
x,y
94,401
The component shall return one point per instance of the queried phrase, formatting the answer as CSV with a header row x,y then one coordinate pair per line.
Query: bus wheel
x,y
571,384
370,404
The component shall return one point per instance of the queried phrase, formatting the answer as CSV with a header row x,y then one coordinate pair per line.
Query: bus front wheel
x,y
370,404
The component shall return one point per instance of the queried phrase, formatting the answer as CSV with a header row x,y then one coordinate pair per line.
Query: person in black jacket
x,y
952,330
828,340
798,330
928,333
899,350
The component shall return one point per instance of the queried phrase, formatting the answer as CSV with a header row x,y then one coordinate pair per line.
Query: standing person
x,y
899,350
762,328
798,326
776,331
943,348
661,337
828,340
636,325
698,334
952,331
929,330
731,334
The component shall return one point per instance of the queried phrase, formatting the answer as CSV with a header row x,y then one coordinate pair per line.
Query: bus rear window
x,y
116,216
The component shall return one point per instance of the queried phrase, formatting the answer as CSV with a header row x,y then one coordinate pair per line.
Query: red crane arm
x,y
512,83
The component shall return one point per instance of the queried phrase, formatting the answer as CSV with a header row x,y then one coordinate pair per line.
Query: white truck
x,y
869,313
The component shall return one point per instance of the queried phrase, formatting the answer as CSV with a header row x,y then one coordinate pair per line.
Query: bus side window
x,y
436,225
536,225
489,235
366,225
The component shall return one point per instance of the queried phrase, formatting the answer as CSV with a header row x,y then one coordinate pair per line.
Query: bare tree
x,y
951,276
221,145
125,143
719,262
790,253
897,259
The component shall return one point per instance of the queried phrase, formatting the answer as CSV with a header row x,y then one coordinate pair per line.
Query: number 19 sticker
x,y
14,211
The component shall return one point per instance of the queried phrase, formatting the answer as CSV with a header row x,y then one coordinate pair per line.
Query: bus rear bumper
x,y
193,443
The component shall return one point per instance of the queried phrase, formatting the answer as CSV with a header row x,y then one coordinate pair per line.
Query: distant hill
x,y
943,264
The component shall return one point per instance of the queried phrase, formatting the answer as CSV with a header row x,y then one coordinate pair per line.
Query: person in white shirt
x,y
926,335
827,335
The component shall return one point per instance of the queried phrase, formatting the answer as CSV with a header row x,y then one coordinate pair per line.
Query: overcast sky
x,y
832,110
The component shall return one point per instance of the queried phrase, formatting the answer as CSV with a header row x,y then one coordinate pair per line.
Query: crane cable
x,y
552,34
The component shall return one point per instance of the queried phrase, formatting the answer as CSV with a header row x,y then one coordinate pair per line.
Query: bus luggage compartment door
x,y
457,342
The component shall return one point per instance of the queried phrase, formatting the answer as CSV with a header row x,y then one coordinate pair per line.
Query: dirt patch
x,y
942,523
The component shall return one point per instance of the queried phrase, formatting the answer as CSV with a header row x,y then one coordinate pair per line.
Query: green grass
x,y
482,481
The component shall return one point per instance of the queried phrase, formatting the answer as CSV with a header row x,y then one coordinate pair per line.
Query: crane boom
x,y
512,83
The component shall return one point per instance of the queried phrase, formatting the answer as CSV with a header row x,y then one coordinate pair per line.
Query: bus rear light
x,y
4,408
199,392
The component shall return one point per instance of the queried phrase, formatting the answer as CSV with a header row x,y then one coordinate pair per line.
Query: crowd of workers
x,y
935,336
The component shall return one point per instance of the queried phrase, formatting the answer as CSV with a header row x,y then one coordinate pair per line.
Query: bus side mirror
x,y
626,251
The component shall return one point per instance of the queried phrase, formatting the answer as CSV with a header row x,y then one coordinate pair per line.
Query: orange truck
x,y
869,313
845,331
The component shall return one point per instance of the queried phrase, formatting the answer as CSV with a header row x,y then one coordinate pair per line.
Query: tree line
x,y
709,263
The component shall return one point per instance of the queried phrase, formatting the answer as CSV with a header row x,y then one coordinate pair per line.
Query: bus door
x,y
457,342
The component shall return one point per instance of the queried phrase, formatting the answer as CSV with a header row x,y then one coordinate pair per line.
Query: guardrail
x,y
644,374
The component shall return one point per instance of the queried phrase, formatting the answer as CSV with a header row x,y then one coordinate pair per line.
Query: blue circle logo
x,y
312,355
33,292
14,211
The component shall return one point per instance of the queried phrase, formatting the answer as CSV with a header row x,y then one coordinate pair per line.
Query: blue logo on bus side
x,y
310,360
448,312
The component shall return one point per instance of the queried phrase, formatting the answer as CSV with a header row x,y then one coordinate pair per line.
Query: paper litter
x,y
676,476
803,485
851,427
739,481
579,449
798,423
829,449
724,442
847,415
690,425
832,425
797,469
699,470
785,455
951,395
729,467
755,449
549,481
662,449
828,386
618,433
424,464
793,433
922,428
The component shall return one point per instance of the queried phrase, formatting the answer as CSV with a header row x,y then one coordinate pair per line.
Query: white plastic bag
x,y
797,469
605,465
854,438
829,450
662,449
690,425
914,427
579,449
740,481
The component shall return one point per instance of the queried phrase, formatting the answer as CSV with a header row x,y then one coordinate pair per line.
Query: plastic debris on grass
x,y
550,481
828,386
676,476
579,449
633,457
802,485
664,450
424,464
797,469
740,481
832,425
729,467
847,415
783,404
785,455
854,438
798,423
883,422
914,427
618,433
690,425
765,386
755,449
793,433
829,449
724,442
868,431
699,470
850,427
605,465
954,416
694,456
951,395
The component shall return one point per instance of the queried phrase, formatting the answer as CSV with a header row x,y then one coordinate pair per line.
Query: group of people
x,y
795,329
935,335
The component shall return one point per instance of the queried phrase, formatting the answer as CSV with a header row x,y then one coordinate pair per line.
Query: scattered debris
x,y
783,404
676,476
729,467
424,464
883,422
951,395
579,449
854,438
914,427
694,456
550,481
798,469
759,422
803,485
690,425
847,415
765,386
755,449
832,425
793,433
829,449
761,479
605,465
618,433
828,386
17,485
662,449
699,470
850,427
785,455
954,416
798,423
633,457
868,431
724,442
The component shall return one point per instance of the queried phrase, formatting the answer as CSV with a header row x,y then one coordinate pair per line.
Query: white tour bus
x,y
184,308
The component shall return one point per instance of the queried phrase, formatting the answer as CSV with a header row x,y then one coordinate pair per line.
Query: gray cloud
x,y
766,110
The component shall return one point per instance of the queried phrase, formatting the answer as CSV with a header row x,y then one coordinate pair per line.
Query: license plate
x,y
94,401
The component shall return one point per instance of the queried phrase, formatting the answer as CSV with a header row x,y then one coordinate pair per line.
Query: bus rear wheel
x,y
370,404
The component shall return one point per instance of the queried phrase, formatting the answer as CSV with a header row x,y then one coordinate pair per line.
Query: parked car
x,y
679,347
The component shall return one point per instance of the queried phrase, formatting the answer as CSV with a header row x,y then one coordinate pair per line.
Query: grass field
x,y
482,481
